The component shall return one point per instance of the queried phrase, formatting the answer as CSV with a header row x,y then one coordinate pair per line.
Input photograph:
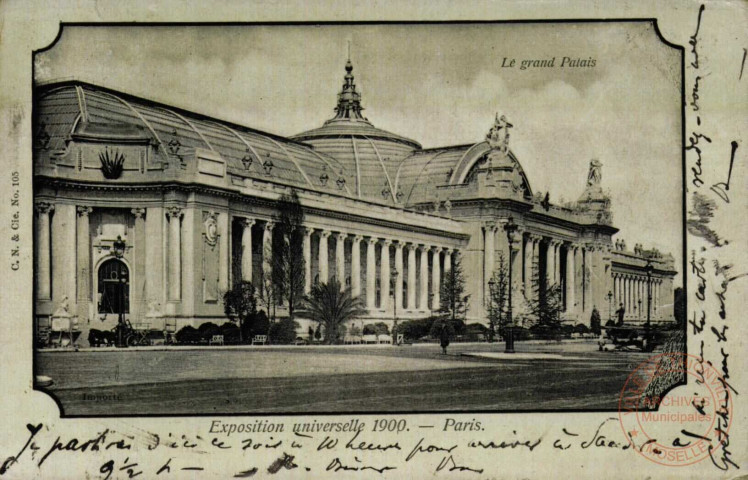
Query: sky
x,y
437,84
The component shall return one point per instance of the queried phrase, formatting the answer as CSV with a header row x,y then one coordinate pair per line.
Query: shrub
x,y
230,332
188,334
208,329
379,328
581,328
256,324
520,334
283,332
415,329
476,331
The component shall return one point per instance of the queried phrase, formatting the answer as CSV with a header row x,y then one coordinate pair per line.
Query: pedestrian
x,y
595,321
620,313
444,338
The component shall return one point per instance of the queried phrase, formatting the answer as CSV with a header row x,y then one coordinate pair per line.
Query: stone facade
x,y
185,205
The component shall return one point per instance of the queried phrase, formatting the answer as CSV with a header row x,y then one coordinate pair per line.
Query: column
x,y
570,277
155,251
528,266
535,267
267,253
557,262
43,251
384,274
64,265
550,263
629,296
411,277
138,273
399,275
371,273
84,257
340,258
616,293
306,251
588,278
488,258
448,261
423,302
517,255
175,248
322,256
224,235
356,266
247,249
436,279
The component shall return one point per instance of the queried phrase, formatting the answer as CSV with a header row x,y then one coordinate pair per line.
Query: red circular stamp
x,y
676,426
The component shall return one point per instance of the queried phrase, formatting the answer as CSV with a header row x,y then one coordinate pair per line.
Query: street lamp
x,y
395,273
121,341
118,248
492,295
510,227
610,307
649,268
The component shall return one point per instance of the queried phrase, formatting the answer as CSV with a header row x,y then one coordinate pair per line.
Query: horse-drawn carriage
x,y
643,337
132,335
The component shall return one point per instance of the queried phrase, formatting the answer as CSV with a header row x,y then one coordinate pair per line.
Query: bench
x,y
216,340
259,339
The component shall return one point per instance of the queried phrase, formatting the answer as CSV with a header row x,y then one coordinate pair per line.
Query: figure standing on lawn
x,y
444,338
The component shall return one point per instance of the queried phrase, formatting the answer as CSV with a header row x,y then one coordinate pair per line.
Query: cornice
x,y
163,187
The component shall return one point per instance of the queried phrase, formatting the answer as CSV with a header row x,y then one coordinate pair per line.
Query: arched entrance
x,y
114,287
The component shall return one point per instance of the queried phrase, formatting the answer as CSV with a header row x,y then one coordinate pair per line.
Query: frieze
x,y
162,187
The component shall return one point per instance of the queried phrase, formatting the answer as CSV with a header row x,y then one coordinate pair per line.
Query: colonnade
x,y
579,268
401,274
631,291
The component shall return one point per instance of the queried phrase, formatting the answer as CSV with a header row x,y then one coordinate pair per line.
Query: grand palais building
x,y
180,206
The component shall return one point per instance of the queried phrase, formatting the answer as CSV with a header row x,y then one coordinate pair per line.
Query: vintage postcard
x,y
313,241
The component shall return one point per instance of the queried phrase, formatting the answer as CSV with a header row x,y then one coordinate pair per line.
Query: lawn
x,y
340,379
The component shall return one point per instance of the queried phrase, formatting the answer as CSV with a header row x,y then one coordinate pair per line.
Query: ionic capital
x,y
247,222
137,212
85,211
340,236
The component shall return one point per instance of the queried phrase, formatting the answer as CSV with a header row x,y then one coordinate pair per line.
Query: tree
x,y
498,299
283,332
240,305
288,255
331,306
545,309
452,298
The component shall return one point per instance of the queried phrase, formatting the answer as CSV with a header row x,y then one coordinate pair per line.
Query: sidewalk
x,y
156,348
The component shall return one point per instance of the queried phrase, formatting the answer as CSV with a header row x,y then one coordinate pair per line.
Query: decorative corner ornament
x,y
211,229
112,165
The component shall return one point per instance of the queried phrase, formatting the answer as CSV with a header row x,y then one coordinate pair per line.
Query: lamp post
x,y
118,248
394,273
649,268
610,305
491,318
510,227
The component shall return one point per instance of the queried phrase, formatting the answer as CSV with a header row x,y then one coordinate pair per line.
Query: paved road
x,y
352,379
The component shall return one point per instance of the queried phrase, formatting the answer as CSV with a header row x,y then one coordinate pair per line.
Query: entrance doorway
x,y
114,287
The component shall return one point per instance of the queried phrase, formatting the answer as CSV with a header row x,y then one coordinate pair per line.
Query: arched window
x,y
114,287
